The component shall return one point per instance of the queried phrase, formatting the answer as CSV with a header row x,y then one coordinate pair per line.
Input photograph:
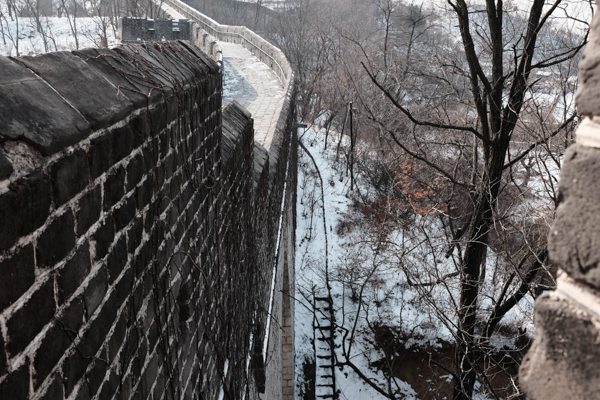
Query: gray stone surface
x,y
236,87
574,242
30,110
179,178
256,87
71,77
563,362
119,72
236,120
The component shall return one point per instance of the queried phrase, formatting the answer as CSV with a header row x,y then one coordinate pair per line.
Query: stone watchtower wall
x,y
139,227
564,361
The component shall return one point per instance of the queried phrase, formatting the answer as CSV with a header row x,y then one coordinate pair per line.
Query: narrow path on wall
x,y
236,87
267,98
251,83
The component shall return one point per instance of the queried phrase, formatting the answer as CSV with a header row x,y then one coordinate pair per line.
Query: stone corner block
x,y
562,363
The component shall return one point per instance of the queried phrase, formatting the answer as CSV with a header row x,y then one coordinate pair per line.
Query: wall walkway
x,y
262,65
263,81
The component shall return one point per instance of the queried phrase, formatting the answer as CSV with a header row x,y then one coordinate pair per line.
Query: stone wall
x,y
275,240
563,361
140,228
135,29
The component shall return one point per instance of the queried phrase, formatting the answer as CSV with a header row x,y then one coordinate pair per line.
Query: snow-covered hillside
x,y
379,285
20,36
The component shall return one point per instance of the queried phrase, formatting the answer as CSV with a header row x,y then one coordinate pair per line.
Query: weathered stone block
x,y
143,258
56,241
73,370
95,291
141,128
116,339
129,348
144,193
124,213
562,364
55,391
16,384
97,332
71,77
53,347
150,374
74,272
70,176
96,376
29,320
71,318
117,259
109,389
159,388
573,242
90,205
114,188
30,110
164,143
153,336
135,171
2,356
588,96
151,151
158,118
134,235
17,274
104,236
122,142
24,208
111,65
170,166
83,392
100,155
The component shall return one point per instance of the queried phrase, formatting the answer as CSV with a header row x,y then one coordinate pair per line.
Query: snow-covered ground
x,y
355,262
344,253
20,36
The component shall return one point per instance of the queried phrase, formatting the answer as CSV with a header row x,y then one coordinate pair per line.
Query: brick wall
x,y
275,194
139,226
563,362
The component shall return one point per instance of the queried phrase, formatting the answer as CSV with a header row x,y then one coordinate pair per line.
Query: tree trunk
x,y
466,355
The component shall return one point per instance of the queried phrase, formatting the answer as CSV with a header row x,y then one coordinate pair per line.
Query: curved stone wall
x,y
141,229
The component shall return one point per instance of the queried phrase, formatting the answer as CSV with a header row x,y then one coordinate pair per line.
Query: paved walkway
x,y
251,83
255,86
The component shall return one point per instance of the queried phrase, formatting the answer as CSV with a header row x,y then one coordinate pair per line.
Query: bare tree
x,y
69,9
473,101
